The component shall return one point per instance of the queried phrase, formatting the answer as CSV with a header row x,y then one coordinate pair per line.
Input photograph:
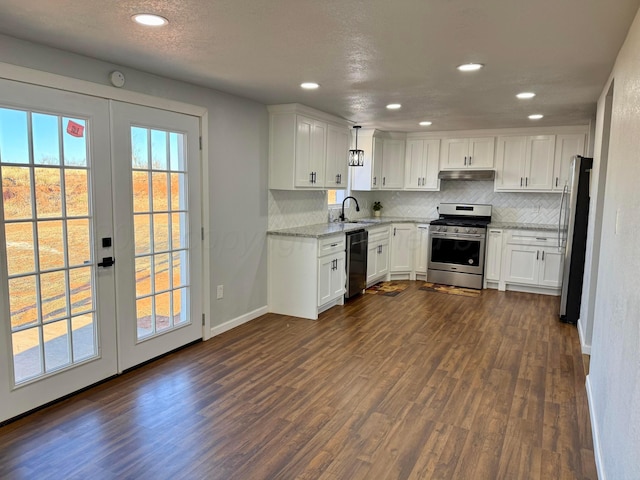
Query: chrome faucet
x,y
357,207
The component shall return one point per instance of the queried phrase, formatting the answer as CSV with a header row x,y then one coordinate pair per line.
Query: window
x,y
335,197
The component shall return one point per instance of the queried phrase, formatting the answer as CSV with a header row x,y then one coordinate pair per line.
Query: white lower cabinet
x,y
378,255
306,274
493,258
422,251
532,259
402,251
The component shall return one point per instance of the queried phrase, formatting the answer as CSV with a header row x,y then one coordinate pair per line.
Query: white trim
x,y
236,322
46,79
495,132
597,452
586,349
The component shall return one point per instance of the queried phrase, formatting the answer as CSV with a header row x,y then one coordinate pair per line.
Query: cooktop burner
x,y
463,215
461,222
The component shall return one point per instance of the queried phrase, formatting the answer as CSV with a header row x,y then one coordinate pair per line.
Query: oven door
x,y
459,252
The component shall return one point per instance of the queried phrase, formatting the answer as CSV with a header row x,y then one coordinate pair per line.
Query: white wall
x,y
238,148
614,379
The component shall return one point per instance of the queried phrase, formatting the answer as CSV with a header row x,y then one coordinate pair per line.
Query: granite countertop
x,y
524,226
327,229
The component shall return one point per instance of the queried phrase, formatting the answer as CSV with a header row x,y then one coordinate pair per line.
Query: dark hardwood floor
x,y
418,386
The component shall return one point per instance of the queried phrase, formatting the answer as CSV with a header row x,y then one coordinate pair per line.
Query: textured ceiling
x,y
365,54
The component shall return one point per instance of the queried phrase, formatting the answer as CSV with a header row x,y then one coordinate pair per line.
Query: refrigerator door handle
x,y
564,193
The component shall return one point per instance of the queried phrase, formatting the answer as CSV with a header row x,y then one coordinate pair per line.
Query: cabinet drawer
x,y
329,245
378,234
535,238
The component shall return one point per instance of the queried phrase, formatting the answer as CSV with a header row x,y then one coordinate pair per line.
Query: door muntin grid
x,y
161,242
48,230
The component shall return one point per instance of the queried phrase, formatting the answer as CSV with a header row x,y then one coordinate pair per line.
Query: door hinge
x,y
200,143
203,319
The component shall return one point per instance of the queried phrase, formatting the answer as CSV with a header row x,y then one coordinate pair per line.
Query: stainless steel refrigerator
x,y
572,236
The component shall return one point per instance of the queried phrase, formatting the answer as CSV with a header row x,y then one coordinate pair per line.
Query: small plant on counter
x,y
377,206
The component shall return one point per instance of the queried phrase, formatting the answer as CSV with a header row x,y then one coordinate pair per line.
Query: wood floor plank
x,y
423,385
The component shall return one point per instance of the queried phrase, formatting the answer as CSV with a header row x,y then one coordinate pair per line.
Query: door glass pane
x,y
161,278
46,143
56,345
16,192
20,248
14,136
48,192
52,307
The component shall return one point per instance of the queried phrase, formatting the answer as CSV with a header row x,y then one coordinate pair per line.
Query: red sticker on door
x,y
75,129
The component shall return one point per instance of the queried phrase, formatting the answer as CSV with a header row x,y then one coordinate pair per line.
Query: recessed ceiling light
x,y
149,20
309,85
525,95
425,124
536,116
470,67
394,106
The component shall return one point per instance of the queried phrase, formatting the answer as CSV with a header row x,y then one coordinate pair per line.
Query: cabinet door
x,y
311,144
402,247
540,155
494,255
551,264
431,158
481,152
567,146
455,152
337,157
393,164
373,252
414,164
382,265
377,160
422,252
326,267
338,276
522,264
510,162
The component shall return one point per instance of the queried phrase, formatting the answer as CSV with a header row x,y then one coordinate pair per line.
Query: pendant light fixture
x,y
356,157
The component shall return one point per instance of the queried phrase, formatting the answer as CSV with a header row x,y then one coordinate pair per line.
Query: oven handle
x,y
457,235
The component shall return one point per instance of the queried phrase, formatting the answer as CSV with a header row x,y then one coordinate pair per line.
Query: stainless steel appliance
x,y
456,241
356,263
572,236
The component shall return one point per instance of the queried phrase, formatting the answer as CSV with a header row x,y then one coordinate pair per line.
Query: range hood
x,y
467,174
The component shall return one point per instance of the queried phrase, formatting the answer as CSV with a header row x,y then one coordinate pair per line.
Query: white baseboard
x,y
595,432
236,322
586,349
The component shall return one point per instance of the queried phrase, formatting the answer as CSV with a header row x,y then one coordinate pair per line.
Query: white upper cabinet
x,y
474,152
525,163
311,150
383,162
337,158
422,164
567,146
304,148
392,164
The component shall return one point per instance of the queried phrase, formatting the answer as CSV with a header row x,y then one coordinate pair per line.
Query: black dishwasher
x,y
356,262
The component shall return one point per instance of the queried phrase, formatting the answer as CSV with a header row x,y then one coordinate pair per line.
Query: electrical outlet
x,y
220,291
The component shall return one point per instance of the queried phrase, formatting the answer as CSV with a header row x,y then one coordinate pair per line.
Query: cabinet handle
x,y
541,238
311,177
495,231
375,179
556,181
469,159
537,254
465,161
520,181
424,180
526,181
418,181
384,181
394,231
543,255
334,244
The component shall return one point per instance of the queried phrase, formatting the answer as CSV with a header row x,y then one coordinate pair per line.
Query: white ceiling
x,y
365,54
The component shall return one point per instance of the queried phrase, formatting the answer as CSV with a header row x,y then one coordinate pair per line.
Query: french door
x,y
84,291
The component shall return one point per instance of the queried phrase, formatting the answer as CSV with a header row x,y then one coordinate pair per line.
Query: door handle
x,y
107,262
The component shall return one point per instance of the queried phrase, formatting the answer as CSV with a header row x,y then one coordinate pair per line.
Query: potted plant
x,y
377,206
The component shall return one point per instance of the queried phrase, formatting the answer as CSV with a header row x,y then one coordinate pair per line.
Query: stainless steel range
x,y
456,242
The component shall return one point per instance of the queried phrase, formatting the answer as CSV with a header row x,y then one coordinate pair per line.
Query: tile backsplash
x,y
296,208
